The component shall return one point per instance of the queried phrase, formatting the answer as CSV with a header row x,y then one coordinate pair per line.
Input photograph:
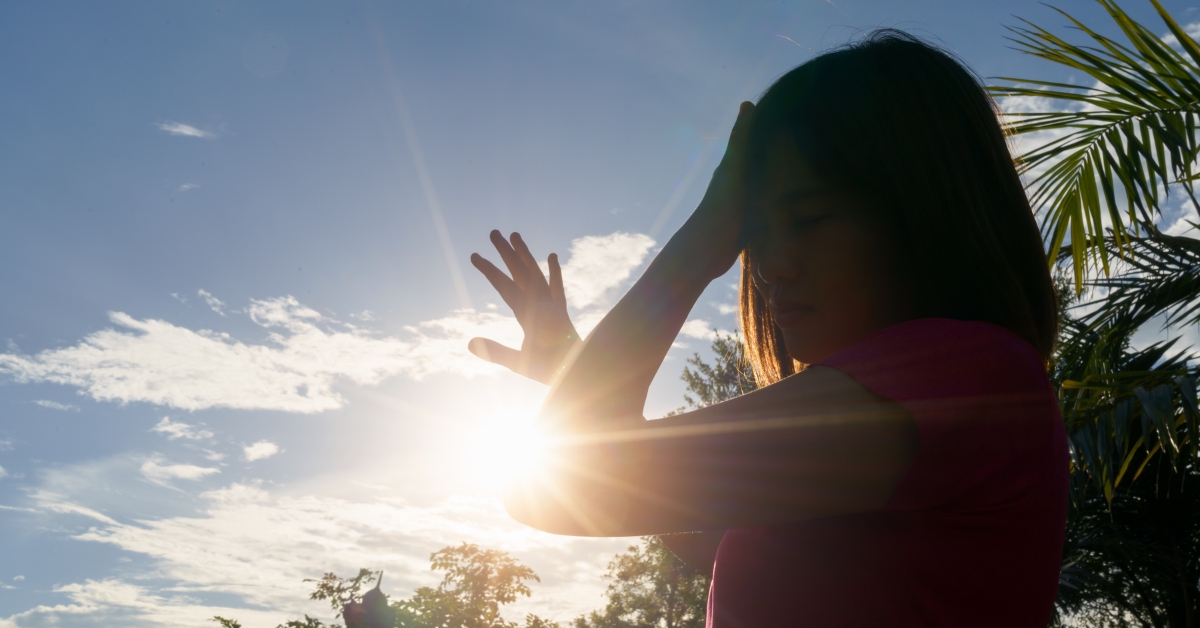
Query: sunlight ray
x,y
418,157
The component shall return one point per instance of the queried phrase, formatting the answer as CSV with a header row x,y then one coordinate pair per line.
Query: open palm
x,y
539,305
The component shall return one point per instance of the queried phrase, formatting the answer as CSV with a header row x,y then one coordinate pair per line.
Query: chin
x,y
805,347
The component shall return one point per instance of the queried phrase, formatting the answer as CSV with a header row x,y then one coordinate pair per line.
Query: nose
x,y
774,262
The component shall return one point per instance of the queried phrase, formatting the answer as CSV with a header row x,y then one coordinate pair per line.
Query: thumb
x,y
495,353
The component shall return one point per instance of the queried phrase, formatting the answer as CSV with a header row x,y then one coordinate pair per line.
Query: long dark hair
x,y
905,122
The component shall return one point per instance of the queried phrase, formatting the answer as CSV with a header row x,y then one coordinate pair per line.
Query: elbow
x,y
517,503
528,505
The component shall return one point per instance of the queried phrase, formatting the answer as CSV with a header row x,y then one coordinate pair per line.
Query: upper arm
x,y
815,444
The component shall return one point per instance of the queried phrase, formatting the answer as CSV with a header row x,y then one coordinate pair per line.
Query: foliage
x,y
1136,564
226,623
1132,134
341,591
650,587
727,378
1125,405
1131,411
477,583
1131,547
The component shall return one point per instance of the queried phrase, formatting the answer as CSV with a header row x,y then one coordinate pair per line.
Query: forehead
x,y
786,174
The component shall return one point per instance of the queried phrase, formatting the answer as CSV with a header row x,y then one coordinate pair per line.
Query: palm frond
x,y
1125,141
1161,277
1125,406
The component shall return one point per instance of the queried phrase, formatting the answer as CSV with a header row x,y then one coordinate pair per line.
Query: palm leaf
x,y
1133,133
1124,406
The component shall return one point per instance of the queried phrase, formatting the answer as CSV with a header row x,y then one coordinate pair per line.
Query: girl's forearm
x,y
608,381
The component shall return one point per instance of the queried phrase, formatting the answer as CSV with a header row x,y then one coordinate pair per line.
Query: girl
x,y
903,462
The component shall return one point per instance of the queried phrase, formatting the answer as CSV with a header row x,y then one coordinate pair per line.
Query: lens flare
x,y
507,446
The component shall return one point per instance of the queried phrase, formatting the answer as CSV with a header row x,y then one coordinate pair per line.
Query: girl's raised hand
x,y
540,307
712,231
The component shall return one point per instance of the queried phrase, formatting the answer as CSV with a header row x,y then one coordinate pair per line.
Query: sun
x,y
506,445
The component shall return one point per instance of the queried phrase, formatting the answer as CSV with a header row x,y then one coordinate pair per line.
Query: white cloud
x,y
185,130
187,186
3,473
726,308
287,539
599,264
54,405
260,450
216,304
1193,31
178,429
305,355
162,474
6,444
295,370
699,329
18,578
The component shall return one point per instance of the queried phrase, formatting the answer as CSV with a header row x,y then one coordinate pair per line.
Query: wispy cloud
x,y
178,429
187,186
260,450
55,503
185,130
214,303
306,355
54,405
113,602
3,473
162,474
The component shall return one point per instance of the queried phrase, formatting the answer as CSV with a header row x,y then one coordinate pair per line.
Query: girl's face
x,y
831,264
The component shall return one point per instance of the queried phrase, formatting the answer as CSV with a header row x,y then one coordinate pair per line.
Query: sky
x,y
236,295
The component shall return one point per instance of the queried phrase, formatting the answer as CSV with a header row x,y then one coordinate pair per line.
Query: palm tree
x,y
1133,136
1119,148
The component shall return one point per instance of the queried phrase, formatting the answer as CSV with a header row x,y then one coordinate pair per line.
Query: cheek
x,y
857,274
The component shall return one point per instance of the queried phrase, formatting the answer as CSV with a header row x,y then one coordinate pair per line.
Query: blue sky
x,y
233,251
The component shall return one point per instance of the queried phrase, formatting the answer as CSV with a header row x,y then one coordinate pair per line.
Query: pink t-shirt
x,y
972,535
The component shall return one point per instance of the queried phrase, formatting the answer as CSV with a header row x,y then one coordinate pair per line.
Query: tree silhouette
x,y
649,587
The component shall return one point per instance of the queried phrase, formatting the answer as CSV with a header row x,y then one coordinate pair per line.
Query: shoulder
x,y
938,357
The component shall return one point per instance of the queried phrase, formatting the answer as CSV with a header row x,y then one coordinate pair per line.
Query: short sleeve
x,y
984,408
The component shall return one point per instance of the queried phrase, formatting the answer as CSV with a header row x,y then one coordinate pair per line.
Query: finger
x,y
740,135
508,289
536,278
516,267
495,353
556,283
